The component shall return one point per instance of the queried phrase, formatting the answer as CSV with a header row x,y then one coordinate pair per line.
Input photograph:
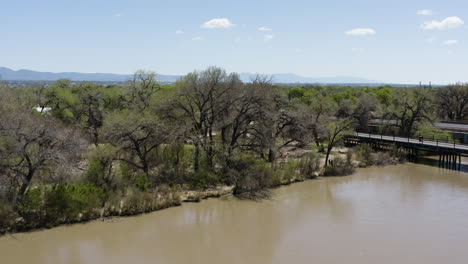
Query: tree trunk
x,y
196,158
328,155
271,155
24,186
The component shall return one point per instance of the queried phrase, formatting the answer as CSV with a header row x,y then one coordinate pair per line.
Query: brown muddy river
x,y
397,214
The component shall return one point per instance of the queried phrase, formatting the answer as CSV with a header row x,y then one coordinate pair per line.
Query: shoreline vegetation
x,y
75,152
346,162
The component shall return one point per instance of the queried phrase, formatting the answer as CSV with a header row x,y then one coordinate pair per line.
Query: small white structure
x,y
42,110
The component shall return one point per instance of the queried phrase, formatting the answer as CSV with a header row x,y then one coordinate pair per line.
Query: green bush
x,y
276,178
203,179
142,182
7,217
308,165
175,154
252,177
364,154
137,201
62,203
31,207
101,165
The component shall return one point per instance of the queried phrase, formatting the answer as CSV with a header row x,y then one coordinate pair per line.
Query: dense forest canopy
x,y
87,143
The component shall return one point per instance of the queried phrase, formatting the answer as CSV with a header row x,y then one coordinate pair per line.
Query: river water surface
x,y
407,213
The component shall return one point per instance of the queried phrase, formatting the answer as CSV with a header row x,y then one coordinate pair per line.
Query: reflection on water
x,y
398,214
434,161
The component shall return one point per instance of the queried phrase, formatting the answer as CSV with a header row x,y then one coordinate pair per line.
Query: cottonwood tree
x,y
247,108
410,109
318,112
85,104
453,101
334,134
202,101
365,110
91,109
141,89
279,125
32,146
101,168
345,108
138,135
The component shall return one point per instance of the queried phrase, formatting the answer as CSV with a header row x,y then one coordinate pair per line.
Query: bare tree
x,y
278,125
91,109
141,87
203,99
453,101
247,108
334,134
35,146
365,110
411,108
317,114
139,135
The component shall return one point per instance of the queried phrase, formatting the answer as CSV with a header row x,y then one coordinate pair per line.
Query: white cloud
x,y
117,15
197,38
447,23
360,32
264,29
451,42
424,12
217,23
179,32
268,37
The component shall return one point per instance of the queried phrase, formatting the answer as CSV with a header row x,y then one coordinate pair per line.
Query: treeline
x,y
72,152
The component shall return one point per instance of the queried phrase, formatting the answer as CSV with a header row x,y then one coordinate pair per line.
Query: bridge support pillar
x,y
459,161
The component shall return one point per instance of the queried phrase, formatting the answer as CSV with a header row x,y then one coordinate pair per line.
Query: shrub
x,y
31,207
364,154
137,201
176,155
276,178
398,155
382,158
308,165
62,203
203,179
141,181
7,217
340,166
252,178
100,170
134,203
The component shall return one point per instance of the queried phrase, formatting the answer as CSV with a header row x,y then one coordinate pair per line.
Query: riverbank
x,y
133,202
388,214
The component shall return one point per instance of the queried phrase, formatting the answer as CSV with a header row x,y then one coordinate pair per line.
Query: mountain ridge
x,y
8,74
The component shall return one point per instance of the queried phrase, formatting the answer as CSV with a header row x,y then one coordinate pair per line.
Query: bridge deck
x,y
425,144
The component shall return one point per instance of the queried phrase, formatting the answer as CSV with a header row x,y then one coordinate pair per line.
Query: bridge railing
x,y
434,139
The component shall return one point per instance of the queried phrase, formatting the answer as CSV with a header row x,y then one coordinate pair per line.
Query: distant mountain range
x,y
291,78
29,75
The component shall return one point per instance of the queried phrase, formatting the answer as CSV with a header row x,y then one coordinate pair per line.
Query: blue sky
x,y
391,41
